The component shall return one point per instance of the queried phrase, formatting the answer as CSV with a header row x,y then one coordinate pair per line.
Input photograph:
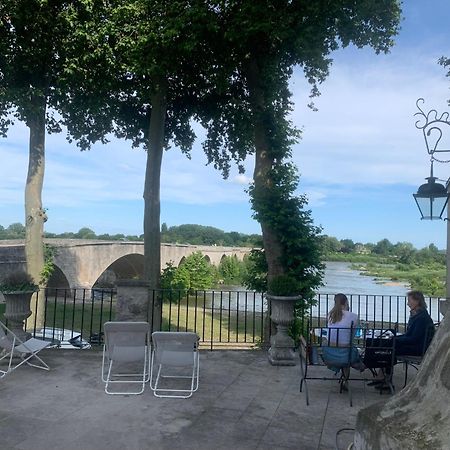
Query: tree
x,y
33,38
16,231
445,62
85,233
195,273
231,270
383,247
347,246
146,65
404,251
249,114
331,244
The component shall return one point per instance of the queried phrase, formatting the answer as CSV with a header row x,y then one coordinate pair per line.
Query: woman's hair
x,y
336,313
418,297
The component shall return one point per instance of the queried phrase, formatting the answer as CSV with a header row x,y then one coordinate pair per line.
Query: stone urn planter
x,y
281,351
17,311
18,288
282,296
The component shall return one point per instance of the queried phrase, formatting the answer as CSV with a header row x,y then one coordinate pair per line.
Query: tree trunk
x,y
264,160
34,214
152,234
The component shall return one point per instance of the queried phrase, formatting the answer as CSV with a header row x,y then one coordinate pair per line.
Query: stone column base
x,y
281,356
132,301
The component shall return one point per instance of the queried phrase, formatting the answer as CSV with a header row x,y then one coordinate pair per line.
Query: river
x,y
371,299
339,277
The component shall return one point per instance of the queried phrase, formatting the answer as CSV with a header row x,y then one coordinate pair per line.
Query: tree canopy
x,y
34,39
250,105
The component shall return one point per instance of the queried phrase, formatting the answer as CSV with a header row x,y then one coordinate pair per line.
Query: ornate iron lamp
x,y
431,197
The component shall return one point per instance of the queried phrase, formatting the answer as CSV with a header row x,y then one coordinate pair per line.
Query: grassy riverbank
x,y
212,325
428,278
422,269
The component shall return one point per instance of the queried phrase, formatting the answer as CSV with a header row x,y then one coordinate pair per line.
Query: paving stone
x,y
242,403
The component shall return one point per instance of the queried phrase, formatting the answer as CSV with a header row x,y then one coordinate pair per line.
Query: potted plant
x,y
18,288
283,293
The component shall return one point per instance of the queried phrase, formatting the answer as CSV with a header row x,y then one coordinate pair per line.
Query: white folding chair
x,y
126,345
175,355
13,346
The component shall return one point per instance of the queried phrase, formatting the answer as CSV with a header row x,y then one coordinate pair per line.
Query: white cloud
x,y
315,197
364,130
242,179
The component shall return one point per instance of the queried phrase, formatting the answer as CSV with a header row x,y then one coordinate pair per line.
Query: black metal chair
x,y
379,353
416,360
317,350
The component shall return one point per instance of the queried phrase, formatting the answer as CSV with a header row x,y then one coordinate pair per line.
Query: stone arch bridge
x,y
84,263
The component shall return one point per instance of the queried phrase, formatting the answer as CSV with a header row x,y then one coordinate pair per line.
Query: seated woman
x,y
420,327
418,335
341,323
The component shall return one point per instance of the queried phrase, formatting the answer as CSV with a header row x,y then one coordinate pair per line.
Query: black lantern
x,y
431,199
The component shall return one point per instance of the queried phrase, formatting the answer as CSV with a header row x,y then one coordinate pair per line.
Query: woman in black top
x,y
418,335
420,328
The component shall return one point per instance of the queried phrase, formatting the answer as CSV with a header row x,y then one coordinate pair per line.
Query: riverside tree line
x,y
423,269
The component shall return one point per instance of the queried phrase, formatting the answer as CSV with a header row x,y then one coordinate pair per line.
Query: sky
x,y
360,157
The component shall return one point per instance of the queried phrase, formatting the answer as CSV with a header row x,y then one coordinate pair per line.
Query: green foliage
x,y
347,246
49,265
427,277
195,273
172,279
383,247
34,39
256,276
85,233
283,212
13,231
19,281
330,244
284,285
181,234
445,62
231,270
206,235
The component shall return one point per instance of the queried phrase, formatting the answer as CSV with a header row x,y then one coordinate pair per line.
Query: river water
x,y
371,299
339,277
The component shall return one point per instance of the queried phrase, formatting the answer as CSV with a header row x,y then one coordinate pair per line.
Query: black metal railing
x,y
375,311
75,317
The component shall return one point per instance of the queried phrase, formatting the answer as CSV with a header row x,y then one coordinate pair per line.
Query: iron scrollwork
x,y
431,124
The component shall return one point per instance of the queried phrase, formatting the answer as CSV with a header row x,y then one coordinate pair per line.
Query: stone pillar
x,y
281,351
418,417
135,302
132,301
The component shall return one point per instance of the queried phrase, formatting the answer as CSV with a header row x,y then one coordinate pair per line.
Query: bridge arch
x,y
82,263
126,267
58,279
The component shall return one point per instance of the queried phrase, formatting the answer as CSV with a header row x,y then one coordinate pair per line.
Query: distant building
x,y
361,249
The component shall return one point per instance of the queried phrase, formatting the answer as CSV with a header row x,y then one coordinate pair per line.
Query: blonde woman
x,y
342,324
340,321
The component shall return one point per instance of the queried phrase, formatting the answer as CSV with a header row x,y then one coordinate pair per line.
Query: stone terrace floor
x,y
242,403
